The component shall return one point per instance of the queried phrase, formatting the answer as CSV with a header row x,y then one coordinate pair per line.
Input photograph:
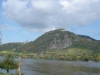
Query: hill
x,y
58,39
58,42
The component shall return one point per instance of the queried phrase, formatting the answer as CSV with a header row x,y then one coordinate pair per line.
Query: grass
x,y
9,52
73,51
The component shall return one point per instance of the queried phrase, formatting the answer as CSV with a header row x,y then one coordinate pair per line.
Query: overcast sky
x,y
23,20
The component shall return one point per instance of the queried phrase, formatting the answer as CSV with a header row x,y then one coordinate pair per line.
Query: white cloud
x,y
43,15
65,4
9,27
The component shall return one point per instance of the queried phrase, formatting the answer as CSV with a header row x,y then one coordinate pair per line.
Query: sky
x,y
26,20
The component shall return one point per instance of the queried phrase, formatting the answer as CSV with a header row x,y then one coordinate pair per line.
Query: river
x,y
55,67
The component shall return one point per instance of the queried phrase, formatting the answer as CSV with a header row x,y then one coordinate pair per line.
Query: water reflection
x,y
52,67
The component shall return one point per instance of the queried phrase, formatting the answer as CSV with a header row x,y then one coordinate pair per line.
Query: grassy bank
x,y
72,54
8,74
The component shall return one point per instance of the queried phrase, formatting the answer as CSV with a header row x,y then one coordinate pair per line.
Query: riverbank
x,y
8,74
66,55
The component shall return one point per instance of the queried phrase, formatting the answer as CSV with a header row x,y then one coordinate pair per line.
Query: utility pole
x,y
19,65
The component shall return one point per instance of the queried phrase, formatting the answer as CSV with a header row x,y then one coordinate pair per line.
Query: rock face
x,y
60,44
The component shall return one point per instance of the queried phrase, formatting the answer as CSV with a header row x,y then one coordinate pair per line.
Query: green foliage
x,y
10,46
8,63
86,44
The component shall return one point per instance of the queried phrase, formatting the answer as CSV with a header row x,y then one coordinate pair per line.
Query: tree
x,y
8,63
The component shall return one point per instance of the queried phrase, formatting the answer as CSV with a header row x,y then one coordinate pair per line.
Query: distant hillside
x,y
88,37
58,39
10,46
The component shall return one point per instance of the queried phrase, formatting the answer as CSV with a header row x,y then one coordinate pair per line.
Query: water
x,y
54,67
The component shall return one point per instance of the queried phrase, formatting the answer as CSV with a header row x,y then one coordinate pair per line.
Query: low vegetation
x,y
7,63
72,54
